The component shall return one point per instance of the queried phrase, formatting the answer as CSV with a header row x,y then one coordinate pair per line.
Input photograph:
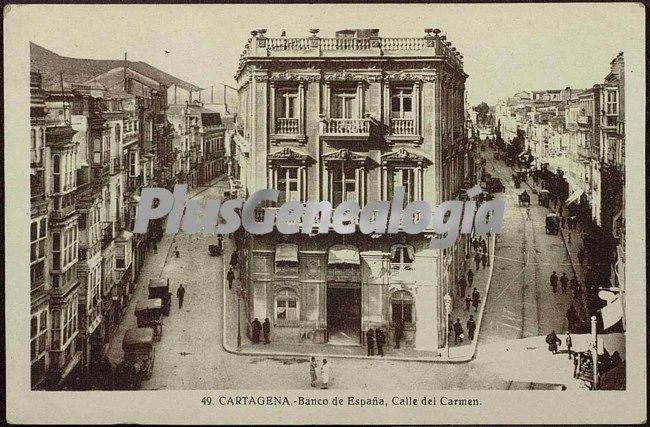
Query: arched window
x,y
287,306
401,303
401,257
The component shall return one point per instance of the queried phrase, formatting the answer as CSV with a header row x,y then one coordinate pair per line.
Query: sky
x,y
506,47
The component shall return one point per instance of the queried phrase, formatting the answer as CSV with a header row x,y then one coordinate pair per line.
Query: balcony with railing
x,y
609,123
368,45
400,127
108,233
287,126
63,211
350,129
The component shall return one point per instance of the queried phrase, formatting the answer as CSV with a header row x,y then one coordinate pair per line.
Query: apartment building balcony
x,y
609,123
87,252
108,233
287,126
345,129
400,127
63,212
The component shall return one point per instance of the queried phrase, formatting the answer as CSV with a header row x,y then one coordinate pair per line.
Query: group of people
x,y
565,283
480,248
264,328
459,332
375,336
325,373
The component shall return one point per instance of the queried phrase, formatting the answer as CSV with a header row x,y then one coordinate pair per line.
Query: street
x,y
520,310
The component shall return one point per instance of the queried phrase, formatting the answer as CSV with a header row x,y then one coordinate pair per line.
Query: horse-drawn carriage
x,y
139,357
524,199
552,223
149,315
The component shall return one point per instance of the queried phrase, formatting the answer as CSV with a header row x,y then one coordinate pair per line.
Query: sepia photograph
x,y
342,207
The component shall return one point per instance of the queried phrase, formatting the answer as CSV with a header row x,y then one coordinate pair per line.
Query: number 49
x,y
207,400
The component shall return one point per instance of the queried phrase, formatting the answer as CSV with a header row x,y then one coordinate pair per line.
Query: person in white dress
x,y
325,374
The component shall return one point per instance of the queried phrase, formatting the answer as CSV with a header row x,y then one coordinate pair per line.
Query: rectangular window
x,y
287,179
612,103
344,185
401,103
344,104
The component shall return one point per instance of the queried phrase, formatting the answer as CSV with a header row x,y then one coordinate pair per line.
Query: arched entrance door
x,y
344,296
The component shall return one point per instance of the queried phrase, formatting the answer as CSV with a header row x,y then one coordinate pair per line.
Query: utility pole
x,y
594,351
239,291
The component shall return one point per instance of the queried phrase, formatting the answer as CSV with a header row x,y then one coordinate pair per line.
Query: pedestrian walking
x,y
564,281
484,259
476,299
325,374
458,332
553,341
450,326
230,277
576,364
470,277
571,317
471,327
220,243
256,327
177,252
370,342
553,280
474,244
312,371
180,294
477,260
399,332
569,343
528,214
462,284
381,340
468,302
574,284
266,331
234,258
155,247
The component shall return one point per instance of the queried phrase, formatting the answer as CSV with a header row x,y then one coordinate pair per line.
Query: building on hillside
x,y
351,118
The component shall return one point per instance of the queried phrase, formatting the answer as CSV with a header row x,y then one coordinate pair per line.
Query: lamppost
x,y
447,299
239,291
594,354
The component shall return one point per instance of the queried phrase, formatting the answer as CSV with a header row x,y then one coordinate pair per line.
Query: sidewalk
x,y
457,354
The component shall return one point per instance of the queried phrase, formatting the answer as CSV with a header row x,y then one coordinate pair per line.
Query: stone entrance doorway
x,y
344,313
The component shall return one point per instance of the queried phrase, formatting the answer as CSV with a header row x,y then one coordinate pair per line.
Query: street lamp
x,y
239,291
447,299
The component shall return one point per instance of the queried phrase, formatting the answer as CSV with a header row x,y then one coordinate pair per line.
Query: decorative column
x,y
328,97
360,102
416,108
427,313
301,108
272,103
375,269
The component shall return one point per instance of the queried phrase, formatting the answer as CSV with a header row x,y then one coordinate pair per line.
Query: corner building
x,y
351,118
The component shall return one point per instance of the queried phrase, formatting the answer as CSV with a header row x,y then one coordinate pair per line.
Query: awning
x,y
612,313
286,252
574,197
342,254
